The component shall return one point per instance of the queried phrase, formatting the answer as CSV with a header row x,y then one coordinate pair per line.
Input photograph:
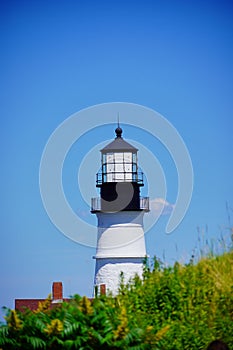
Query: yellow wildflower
x,y
14,321
152,338
122,328
159,335
44,305
54,328
85,306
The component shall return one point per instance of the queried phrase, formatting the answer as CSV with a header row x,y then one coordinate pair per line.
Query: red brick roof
x,y
57,298
22,304
32,304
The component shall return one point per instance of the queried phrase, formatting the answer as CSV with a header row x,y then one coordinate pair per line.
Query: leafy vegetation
x,y
179,307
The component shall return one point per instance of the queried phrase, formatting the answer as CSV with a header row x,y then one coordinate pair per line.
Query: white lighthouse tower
x,y
119,210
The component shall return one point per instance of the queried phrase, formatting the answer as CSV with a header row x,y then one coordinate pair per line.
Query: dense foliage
x,y
179,307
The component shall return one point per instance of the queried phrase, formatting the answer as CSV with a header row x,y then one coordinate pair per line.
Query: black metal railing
x,y
119,176
96,204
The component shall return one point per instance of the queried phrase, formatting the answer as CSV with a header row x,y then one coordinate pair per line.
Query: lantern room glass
x,y
119,167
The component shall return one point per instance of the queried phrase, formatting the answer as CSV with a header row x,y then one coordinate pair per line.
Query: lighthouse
x,y
119,210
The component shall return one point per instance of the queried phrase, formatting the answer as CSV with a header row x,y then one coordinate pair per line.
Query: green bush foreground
x,y
179,307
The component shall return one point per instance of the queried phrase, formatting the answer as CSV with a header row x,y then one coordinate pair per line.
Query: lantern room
x,y
119,179
119,162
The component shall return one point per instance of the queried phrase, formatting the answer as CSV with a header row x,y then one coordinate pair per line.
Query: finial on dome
x,y
118,130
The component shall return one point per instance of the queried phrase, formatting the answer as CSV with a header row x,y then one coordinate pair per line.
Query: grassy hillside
x,y
188,306
179,307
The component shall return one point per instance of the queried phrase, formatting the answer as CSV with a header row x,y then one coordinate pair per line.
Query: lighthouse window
x,y
109,157
128,167
109,166
119,157
119,166
110,163
128,163
128,157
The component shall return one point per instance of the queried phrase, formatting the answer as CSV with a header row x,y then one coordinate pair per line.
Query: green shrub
x,y
179,307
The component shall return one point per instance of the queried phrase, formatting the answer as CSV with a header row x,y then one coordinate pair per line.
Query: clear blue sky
x,y
58,57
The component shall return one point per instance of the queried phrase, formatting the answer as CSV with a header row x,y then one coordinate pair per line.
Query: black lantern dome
x,y
118,131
